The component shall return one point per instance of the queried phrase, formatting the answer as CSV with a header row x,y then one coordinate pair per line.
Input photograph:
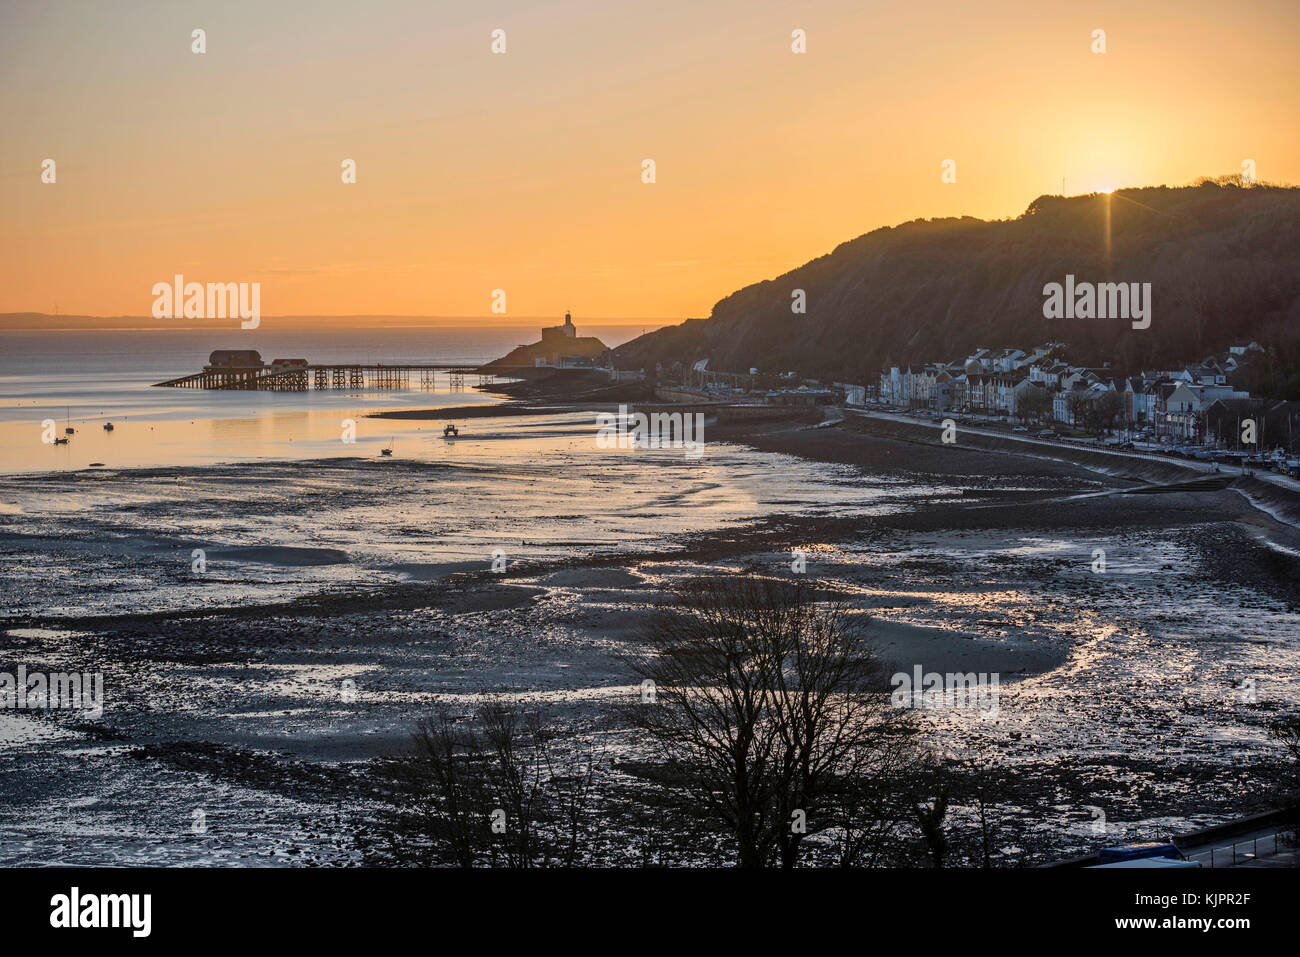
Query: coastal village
x,y
1184,405
1192,409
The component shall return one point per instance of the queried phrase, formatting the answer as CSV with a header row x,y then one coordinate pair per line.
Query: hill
x,y
1221,260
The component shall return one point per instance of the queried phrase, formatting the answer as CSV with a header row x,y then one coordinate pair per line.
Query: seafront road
x,y
1281,481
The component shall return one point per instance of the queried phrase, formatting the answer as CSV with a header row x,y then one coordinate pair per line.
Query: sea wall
x,y
725,413
664,394
760,413
1155,469
1281,503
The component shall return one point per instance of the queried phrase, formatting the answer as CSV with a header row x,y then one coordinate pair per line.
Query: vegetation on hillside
x,y
1221,260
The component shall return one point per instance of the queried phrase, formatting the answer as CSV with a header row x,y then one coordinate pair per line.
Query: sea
x,y
84,378
289,492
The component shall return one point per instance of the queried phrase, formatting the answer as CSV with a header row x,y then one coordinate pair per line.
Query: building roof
x,y
243,357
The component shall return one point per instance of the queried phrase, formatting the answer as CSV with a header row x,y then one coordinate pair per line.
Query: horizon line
x,y
10,316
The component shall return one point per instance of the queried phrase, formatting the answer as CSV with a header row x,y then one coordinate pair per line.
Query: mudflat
x,y
269,697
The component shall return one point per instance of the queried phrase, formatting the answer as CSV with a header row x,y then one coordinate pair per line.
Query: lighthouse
x,y
566,331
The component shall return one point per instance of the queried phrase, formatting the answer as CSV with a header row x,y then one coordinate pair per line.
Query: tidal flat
x,y
342,600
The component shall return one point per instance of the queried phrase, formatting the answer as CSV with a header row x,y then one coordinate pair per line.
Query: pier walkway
x,y
302,378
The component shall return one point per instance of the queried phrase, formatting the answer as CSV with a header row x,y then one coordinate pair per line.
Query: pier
x,y
246,372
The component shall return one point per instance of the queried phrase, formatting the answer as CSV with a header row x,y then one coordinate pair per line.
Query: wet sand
x,y
451,413
1119,691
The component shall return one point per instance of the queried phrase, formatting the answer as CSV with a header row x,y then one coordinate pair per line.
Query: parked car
x,y
1021,428
1047,434
1147,853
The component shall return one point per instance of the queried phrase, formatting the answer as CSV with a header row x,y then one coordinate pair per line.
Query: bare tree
x,y
773,703
1035,405
447,765
492,789
930,821
1095,412
872,810
572,788
515,777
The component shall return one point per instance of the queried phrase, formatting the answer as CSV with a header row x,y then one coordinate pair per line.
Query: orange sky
x,y
523,171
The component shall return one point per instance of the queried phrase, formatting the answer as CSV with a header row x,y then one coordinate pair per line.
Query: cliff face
x,y
1221,260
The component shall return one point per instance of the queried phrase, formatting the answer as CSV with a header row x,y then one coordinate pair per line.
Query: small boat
x,y
59,441
108,426
388,449
69,431
450,432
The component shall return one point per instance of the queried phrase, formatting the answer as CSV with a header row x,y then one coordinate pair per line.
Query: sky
x,y
523,171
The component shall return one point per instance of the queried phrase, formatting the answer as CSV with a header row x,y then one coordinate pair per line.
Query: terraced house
x,y
1001,382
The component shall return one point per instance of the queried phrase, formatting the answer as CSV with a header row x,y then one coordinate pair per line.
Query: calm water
x,y
283,506
86,378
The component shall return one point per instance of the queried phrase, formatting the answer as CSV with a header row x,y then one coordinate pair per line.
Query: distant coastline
x,y
44,322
